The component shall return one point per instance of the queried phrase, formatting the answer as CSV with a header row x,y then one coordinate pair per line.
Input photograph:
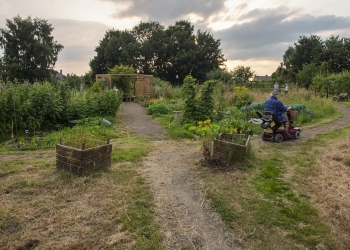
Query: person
x,y
81,87
286,89
276,86
275,105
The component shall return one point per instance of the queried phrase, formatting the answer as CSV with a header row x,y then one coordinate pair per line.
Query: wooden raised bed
x,y
83,161
230,147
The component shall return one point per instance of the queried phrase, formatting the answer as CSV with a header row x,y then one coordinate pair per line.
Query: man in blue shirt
x,y
275,105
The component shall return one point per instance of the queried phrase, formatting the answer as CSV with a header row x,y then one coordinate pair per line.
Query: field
x,y
292,195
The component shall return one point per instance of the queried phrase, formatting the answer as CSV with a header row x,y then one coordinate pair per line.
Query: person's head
x,y
274,93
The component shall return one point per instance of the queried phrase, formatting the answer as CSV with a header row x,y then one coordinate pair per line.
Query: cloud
x,y
79,38
268,33
255,32
167,11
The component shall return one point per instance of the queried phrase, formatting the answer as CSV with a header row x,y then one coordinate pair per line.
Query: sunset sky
x,y
252,33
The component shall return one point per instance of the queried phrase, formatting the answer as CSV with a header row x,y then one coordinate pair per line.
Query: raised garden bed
x,y
83,161
230,147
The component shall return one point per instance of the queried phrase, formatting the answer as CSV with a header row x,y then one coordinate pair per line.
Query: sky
x,y
253,33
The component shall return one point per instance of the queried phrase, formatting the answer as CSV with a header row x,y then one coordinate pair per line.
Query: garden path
x,y
181,207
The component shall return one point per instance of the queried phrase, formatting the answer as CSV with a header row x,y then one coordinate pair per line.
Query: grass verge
x,y
43,208
291,198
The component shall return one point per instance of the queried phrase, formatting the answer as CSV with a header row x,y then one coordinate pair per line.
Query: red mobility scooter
x,y
275,130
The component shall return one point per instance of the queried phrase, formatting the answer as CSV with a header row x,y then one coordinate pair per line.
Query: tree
x,y
306,75
180,50
169,54
281,74
243,74
30,51
336,55
307,50
150,36
220,74
208,56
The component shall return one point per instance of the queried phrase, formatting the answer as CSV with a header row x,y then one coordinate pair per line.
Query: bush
x,y
163,108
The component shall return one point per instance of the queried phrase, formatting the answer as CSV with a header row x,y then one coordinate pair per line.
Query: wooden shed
x,y
142,83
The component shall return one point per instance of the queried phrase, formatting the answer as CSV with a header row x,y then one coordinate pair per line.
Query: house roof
x,y
59,75
263,78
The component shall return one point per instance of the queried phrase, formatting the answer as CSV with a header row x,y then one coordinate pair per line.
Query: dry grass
x,y
330,190
50,209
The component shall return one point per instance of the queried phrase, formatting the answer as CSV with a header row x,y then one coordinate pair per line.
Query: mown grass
x,y
266,203
49,209
270,206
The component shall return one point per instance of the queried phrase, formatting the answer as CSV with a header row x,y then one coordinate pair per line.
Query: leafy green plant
x,y
242,97
198,107
123,83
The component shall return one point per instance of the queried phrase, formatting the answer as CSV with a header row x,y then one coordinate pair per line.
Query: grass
x,y
283,202
49,209
288,196
269,203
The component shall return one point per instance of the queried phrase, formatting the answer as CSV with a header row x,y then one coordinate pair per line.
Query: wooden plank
x,y
69,151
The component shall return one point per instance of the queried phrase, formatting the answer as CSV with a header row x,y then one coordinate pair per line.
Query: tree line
x,y
311,56
168,53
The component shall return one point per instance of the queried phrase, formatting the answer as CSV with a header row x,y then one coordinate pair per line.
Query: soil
x,y
182,209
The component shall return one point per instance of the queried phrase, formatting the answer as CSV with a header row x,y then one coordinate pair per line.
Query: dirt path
x,y
182,209
345,120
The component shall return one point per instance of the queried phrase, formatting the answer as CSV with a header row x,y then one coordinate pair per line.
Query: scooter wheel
x,y
297,134
278,138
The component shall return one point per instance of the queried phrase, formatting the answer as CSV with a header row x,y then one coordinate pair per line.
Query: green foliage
x,y
173,127
233,125
161,88
123,83
329,56
331,84
221,75
163,108
242,97
198,108
29,49
306,74
165,53
221,104
243,74
104,103
47,107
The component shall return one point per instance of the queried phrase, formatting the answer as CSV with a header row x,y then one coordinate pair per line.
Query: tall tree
x,y
30,51
98,64
150,36
180,50
208,55
243,73
307,50
170,53
305,75
336,55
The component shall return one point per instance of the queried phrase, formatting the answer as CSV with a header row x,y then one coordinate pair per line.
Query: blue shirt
x,y
273,104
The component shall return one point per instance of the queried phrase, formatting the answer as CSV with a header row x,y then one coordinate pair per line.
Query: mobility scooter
x,y
275,130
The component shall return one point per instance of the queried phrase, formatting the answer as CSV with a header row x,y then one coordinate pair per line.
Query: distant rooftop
x,y
262,78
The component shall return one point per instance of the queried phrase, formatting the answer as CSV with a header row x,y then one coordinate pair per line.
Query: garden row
x,y
28,108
